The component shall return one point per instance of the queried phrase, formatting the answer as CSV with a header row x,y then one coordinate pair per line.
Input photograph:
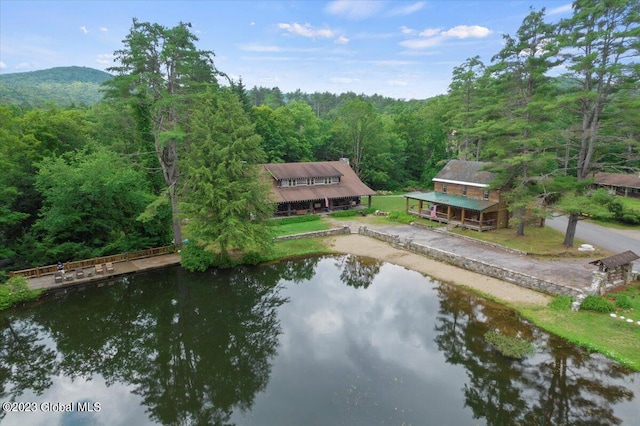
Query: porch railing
x,y
69,266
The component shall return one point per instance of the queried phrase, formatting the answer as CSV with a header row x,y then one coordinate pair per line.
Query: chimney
x,y
345,160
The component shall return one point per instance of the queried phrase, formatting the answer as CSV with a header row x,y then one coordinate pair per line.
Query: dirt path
x,y
369,247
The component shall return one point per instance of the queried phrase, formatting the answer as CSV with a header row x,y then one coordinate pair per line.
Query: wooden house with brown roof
x,y
626,185
300,188
462,196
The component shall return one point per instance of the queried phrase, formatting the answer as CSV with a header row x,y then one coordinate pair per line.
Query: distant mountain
x,y
63,86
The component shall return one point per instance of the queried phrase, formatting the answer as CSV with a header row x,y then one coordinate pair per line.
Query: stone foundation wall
x,y
514,277
328,232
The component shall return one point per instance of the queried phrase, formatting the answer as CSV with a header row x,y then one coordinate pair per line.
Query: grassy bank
x,y
613,337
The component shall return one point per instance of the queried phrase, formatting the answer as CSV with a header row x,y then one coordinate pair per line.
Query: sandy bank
x,y
365,246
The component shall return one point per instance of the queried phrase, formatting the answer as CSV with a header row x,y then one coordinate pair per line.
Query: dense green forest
x,y
176,140
62,86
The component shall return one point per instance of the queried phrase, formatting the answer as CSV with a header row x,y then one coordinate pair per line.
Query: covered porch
x,y
479,215
301,207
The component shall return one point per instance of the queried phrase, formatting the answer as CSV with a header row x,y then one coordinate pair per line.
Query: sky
x,y
401,49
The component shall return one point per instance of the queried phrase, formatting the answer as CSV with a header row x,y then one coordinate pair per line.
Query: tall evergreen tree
x,y
159,69
224,196
521,147
602,44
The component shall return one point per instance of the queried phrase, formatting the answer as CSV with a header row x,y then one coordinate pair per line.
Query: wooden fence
x,y
70,266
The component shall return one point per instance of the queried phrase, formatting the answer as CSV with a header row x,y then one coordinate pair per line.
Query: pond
x,y
316,341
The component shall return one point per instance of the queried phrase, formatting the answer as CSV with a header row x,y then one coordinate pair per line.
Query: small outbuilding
x,y
615,270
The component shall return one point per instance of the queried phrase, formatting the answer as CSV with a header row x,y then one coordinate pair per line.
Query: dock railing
x,y
78,264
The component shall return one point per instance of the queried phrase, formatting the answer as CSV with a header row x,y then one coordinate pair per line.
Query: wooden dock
x,y
125,267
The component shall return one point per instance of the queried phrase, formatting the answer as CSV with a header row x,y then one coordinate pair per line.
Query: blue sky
x,y
392,48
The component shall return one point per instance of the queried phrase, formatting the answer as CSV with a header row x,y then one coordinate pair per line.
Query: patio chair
x,y
99,269
57,277
79,273
109,267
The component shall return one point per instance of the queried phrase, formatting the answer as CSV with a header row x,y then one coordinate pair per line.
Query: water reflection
x,y
561,385
291,344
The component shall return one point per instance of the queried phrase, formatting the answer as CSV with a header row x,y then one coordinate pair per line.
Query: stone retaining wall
x,y
514,277
313,234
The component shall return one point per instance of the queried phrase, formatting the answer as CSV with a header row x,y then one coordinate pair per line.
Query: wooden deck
x,y
88,275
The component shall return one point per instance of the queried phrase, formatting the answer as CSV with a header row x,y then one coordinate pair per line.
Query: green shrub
x,y
344,213
401,217
16,290
224,261
597,304
512,347
194,257
251,258
561,303
631,217
623,301
293,219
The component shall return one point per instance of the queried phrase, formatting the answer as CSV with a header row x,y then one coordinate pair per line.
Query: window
x,y
486,194
444,188
464,190
292,182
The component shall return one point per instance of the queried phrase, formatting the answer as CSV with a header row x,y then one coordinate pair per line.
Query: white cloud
x,y
84,29
341,40
307,30
253,24
466,31
422,43
105,58
397,83
373,36
407,10
431,37
343,80
430,32
560,10
391,62
260,48
23,66
104,29
407,30
354,9
2,65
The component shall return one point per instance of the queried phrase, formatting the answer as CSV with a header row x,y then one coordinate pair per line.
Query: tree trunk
x,y
175,217
571,230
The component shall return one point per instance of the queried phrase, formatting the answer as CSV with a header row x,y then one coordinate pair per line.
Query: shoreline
x,y
500,290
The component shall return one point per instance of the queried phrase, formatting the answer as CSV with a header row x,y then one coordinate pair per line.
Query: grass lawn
x,y
301,247
615,338
388,203
536,241
300,228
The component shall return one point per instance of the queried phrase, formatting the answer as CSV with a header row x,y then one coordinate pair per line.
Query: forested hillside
x,y
63,86
556,104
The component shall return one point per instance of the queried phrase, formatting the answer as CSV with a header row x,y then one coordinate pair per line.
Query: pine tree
x,y
225,198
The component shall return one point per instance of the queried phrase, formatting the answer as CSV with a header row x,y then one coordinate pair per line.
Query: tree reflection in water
x,y
195,347
199,348
561,385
